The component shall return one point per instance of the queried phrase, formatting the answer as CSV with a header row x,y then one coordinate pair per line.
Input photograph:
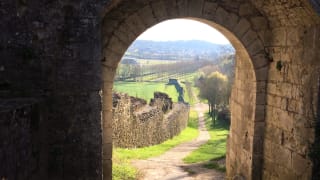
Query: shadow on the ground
x,y
208,167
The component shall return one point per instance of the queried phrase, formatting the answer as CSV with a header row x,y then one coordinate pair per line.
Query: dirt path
x,y
170,166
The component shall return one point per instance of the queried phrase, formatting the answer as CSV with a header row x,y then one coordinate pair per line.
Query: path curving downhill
x,y
170,166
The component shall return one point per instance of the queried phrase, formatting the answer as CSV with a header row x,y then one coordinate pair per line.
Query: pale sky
x,y
183,29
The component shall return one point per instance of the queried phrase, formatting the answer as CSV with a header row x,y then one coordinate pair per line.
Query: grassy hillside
x,y
145,90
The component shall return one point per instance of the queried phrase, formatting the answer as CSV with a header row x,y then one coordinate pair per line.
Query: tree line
x,y
136,71
215,83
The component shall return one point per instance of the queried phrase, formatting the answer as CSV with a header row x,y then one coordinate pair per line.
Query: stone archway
x,y
51,58
124,23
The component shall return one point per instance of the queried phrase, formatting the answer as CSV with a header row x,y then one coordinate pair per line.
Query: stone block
x,y
172,8
159,10
257,166
267,149
285,173
279,37
266,36
295,106
267,175
259,23
146,15
273,133
258,142
294,36
274,74
282,156
182,8
260,60
232,21
285,89
260,113
107,151
274,100
209,10
195,8
249,37
262,74
110,61
107,131
308,173
296,55
261,98
221,16
311,45
242,27
124,34
246,9
116,45
272,88
107,100
274,53
108,27
285,120
255,47
303,129
107,169
136,25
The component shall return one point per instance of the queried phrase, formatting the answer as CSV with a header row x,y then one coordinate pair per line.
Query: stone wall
x,y
242,106
51,50
292,102
65,52
22,140
149,124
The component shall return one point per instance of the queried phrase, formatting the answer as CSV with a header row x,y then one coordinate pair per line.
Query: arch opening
x,y
250,82
165,52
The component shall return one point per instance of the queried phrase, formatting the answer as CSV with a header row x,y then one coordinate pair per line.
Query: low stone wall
x,y
148,124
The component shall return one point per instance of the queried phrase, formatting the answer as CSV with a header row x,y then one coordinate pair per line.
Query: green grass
x,y
156,150
122,168
193,119
145,90
215,148
190,92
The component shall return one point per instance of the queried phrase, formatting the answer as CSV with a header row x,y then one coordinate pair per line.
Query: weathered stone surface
x,y
136,124
195,8
21,137
242,27
52,50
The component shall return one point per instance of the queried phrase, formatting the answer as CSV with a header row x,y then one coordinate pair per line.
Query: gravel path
x,y
170,166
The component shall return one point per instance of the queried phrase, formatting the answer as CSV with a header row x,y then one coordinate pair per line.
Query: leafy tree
x,y
214,89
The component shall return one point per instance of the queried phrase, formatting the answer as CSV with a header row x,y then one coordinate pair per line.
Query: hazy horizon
x,y
184,30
